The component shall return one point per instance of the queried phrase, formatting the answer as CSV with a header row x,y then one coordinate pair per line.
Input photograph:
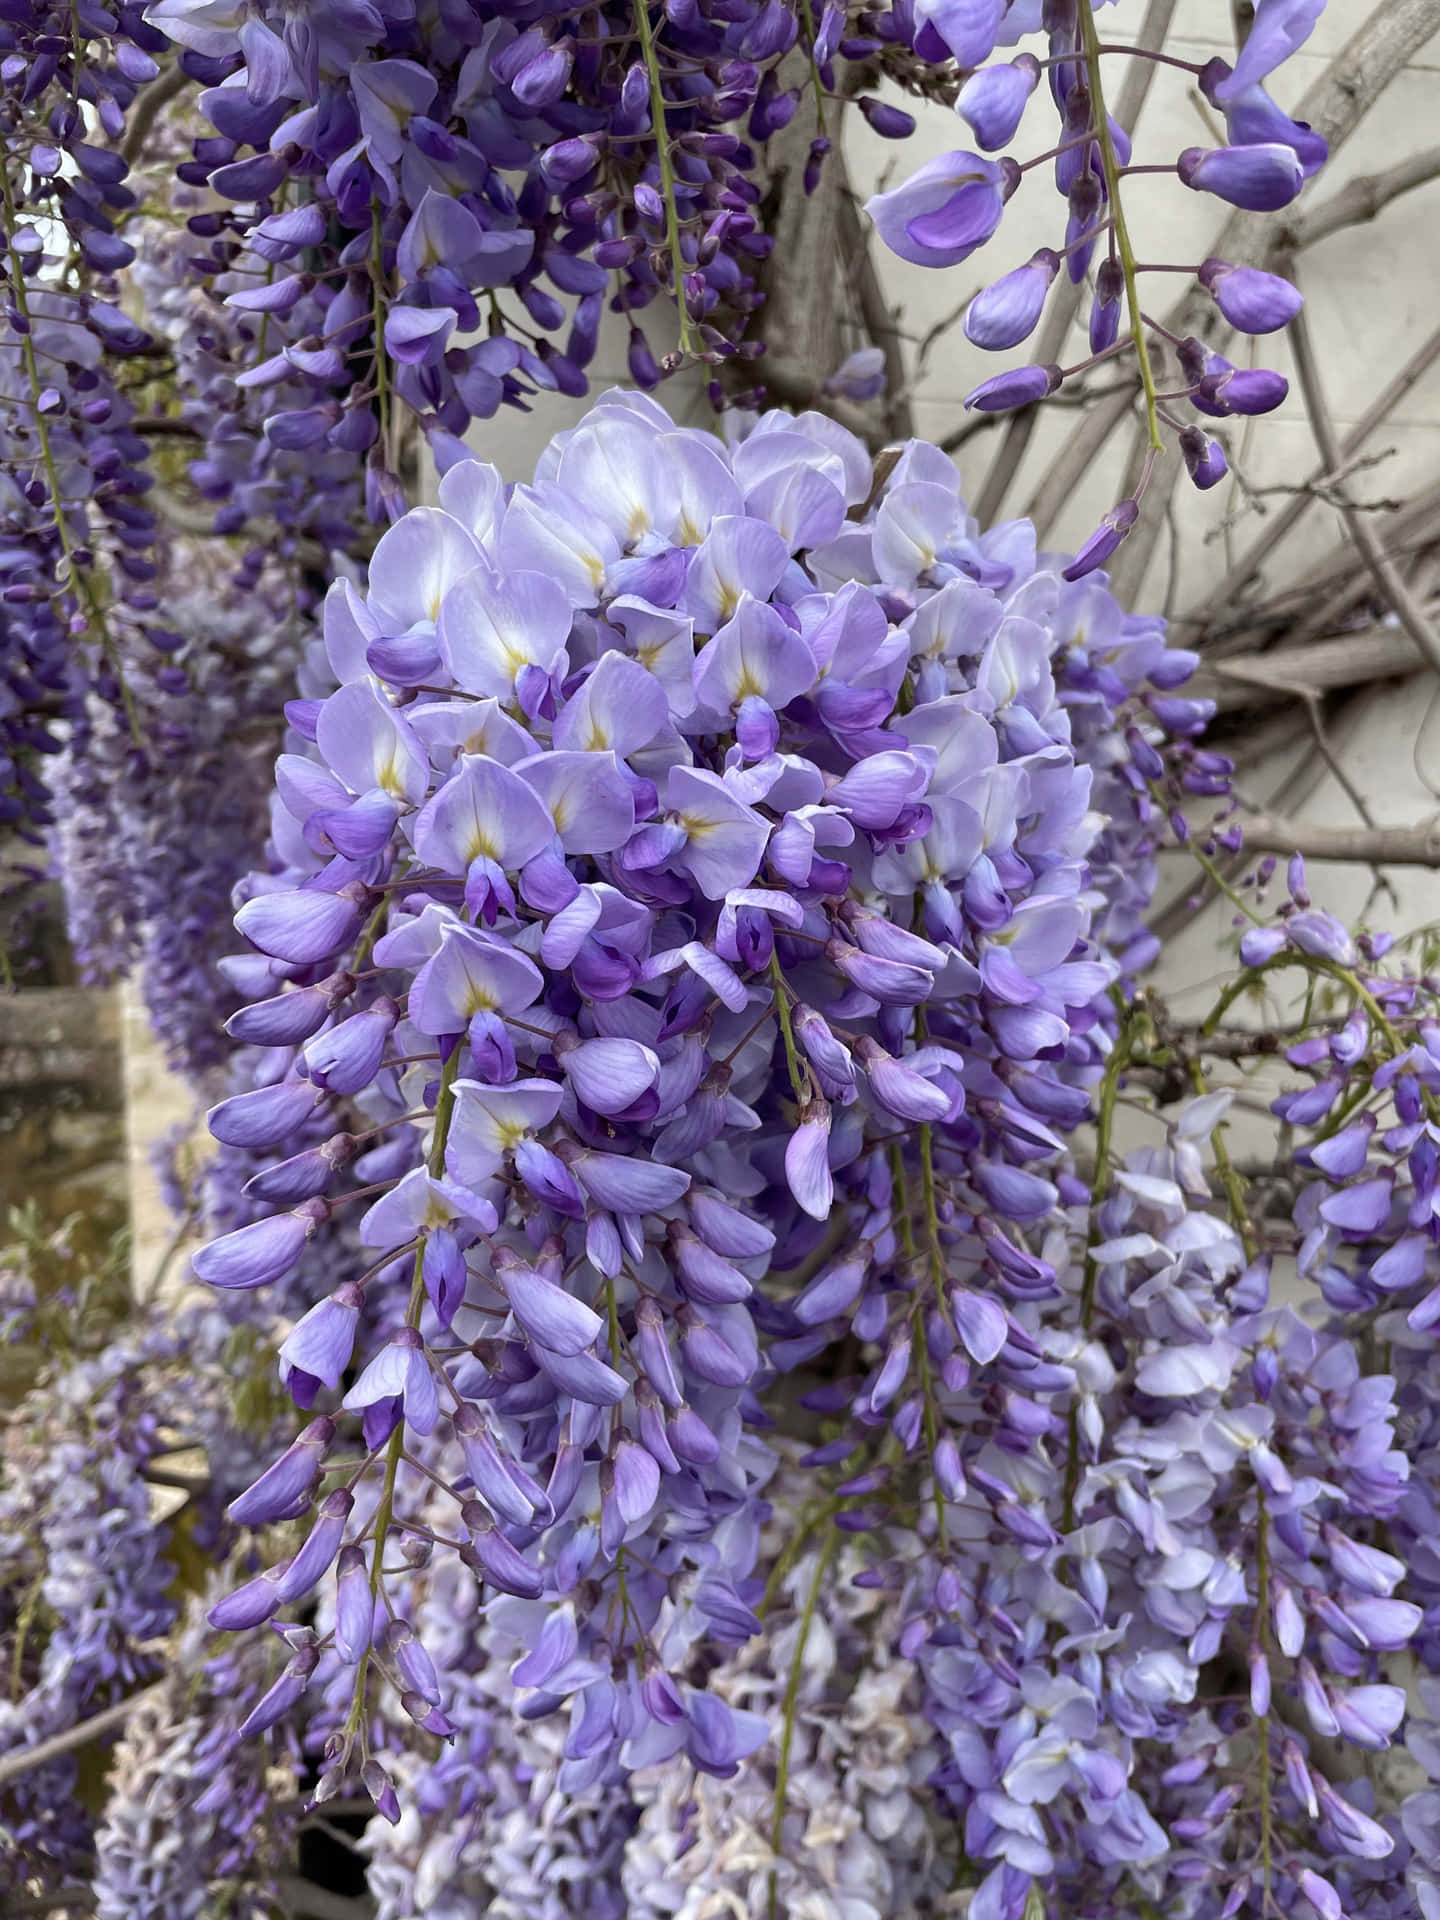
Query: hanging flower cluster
x,y
700,920
72,478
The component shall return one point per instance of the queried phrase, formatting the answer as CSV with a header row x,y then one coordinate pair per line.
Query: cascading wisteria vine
x,y
75,564
719,865
150,839
766,1447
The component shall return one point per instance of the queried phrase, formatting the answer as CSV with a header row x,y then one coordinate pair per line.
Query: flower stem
x,y
1126,253
688,343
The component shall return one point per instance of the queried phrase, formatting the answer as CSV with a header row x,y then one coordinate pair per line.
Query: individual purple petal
x,y
1278,28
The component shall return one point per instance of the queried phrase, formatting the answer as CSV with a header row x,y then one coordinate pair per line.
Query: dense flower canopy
x,y
697,1407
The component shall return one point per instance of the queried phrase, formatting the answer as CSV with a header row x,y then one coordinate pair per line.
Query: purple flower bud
x,y
1259,944
266,1116
1105,539
726,1229
354,1607
249,1605
1321,934
503,1565
377,1783
833,1290
415,1665
691,1438
322,1543
1204,458
347,1057
807,1161
707,1354
1252,301
704,1275
891,123
550,1315
1262,179
266,1250
1105,308
285,1693
993,100
1021,387
287,1480
1006,313
290,1017
301,927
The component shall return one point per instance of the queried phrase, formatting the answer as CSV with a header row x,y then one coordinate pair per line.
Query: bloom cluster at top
x,y
392,171
954,203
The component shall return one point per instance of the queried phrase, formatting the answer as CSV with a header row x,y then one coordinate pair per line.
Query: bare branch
x,y
1367,846
879,320
1361,200
1288,673
154,96
24,1759
1407,609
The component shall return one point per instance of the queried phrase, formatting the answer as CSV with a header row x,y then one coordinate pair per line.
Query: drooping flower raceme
x,y
688,879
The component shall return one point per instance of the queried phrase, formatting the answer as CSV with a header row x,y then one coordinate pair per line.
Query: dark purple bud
x,y
378,1785
1105,308
1105,539
891,123
1204,458
1021,387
